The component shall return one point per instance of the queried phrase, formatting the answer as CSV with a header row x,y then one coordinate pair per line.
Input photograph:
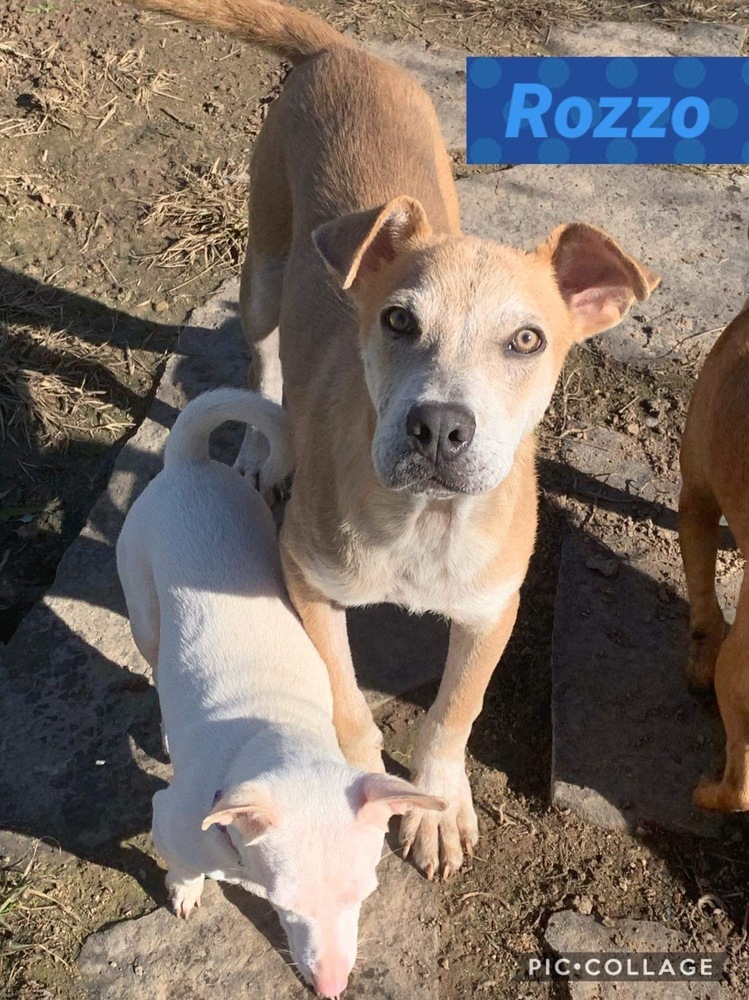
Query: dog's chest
x,y
436,563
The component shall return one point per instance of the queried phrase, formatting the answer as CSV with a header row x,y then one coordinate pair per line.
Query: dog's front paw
x,y
184,894
721,797
436,841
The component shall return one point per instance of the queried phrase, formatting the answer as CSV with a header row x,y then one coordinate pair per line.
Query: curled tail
x,y
292,33
188,441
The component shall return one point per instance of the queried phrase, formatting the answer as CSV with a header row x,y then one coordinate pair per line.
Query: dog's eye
x,y
527,341
400,320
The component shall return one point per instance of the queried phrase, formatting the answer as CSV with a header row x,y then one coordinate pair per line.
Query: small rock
x,y
444,962
161,306
605,565
583,904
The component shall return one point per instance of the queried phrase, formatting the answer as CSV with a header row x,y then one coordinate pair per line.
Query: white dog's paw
x,y
184,894
436,841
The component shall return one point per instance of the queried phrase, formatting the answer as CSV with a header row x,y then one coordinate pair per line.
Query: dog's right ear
x,y
249,807
361,242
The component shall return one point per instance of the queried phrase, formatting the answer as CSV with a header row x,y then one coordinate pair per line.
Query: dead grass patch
x,y
32,920
139,84
534,15
55,387
204,222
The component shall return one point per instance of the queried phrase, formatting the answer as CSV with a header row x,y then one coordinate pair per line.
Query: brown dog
x,y
715,474
416,364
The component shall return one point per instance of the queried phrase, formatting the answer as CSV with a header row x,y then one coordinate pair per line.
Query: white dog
x,y
261,793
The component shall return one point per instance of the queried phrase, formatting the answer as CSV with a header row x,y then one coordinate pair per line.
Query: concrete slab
x,y
230,947
690,227
441,71
616,38
572,934
629,741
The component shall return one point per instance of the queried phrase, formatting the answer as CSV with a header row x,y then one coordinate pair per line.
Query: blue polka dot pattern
x,y
723,112
554,151
621,73
486,73
689,73
607,110
553,72
689,151
621,151
485,151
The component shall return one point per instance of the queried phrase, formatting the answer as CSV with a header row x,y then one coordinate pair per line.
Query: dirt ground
x,y
124,143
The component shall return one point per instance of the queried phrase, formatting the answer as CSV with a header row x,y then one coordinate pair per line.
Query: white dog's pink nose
x,y
331,979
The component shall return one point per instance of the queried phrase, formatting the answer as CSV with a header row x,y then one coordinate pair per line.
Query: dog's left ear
x,y
383,795
360,243
249,807
597,279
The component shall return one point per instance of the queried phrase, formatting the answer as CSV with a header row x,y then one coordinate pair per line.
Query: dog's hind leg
x,y
261,287
732,689
699,527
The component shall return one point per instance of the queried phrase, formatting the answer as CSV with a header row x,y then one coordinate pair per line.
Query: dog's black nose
x,y
440,431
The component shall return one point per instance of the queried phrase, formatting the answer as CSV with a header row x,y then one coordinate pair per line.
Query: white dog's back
x,y
206,540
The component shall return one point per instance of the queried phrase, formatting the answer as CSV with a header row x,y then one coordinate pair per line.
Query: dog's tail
x,y
292,33
188,441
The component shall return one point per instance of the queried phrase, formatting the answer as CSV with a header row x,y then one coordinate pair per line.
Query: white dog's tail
x,y
188,441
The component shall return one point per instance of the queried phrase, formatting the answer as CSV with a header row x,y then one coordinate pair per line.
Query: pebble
x,y
161,306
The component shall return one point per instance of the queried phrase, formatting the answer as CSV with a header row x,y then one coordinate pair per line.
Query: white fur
x,y
426,567
246,702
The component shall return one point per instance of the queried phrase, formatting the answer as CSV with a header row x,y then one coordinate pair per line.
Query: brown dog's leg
x,y
732,688
325,624
699,526
436,841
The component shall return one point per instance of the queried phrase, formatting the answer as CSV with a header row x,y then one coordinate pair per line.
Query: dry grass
x,y
140,85
205,221
532,14
54,386
48,387
30,919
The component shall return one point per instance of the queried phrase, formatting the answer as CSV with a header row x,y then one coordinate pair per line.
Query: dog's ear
x,y
381,796
360,243
597,279
249,807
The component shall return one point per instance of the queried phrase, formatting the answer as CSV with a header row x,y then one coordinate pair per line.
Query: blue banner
x,y
607,110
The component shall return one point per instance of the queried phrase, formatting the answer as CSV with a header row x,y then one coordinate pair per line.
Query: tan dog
x,y
715,474
416,364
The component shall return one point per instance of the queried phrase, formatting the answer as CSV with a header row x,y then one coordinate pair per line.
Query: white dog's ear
x,y
360,243
597,279
249,807
383,795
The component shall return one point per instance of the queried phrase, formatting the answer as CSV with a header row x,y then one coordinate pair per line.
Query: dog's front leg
x,y
436,841
325,624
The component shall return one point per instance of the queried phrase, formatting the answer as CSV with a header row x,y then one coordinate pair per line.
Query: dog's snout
x,y
440,431
331,982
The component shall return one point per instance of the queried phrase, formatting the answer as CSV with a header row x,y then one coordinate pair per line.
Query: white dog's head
x,y
462,339
310,841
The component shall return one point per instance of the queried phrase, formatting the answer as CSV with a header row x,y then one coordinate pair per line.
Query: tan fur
x,y
715,474
353,207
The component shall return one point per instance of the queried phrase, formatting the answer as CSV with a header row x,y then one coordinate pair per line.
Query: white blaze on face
x,y
465,319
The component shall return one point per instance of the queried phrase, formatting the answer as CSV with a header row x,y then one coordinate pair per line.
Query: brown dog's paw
x,y
719,797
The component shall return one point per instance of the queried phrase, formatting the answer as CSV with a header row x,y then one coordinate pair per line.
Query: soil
x,y
107,118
